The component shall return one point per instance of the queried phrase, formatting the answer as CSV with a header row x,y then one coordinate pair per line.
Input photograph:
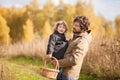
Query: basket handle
x,y
57,63
53,58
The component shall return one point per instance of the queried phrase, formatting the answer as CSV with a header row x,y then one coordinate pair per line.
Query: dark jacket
x,y
57,45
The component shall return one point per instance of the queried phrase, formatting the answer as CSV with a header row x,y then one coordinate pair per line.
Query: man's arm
x,y
75,57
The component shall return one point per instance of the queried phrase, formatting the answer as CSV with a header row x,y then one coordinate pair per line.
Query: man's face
x,y
76,27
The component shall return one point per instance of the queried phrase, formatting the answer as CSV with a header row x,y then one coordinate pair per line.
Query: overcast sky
x,y
108,8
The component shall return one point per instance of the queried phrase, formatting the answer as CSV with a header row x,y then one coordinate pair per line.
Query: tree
x,y
70,14
28,31
34,6
50,10
15,21
108,30
80,8
61,12
46,29
33,11
4,31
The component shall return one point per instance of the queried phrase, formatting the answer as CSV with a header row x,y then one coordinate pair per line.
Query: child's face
x,y
61,29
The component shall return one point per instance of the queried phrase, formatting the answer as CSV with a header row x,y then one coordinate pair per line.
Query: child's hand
x,y
49,55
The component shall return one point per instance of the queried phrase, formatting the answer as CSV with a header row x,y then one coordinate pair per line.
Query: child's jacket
x,y
57,45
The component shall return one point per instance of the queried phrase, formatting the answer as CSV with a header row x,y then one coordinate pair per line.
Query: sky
x,y
108,8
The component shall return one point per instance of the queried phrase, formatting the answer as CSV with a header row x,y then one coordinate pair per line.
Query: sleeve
x,y
75,57
51,44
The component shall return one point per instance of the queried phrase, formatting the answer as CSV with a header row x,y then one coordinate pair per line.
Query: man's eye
x,y
76,25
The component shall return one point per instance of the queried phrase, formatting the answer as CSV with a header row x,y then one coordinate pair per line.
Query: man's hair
x,y
83,21
60,23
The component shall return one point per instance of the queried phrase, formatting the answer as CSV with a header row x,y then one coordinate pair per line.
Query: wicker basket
x,y
50,73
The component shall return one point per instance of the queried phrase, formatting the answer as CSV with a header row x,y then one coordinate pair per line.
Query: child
x,y
58,44
57,41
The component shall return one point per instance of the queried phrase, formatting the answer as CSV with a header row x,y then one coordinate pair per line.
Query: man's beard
x,y
75,32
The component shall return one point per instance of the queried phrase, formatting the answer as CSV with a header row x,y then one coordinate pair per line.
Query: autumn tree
x,y
47,13
34,14
15,20
4,31
61,12
70,14
28,31
108,29
80,7
49,10
46,30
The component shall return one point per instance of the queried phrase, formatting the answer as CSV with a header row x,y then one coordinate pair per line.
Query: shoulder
x,y
53,35
82,43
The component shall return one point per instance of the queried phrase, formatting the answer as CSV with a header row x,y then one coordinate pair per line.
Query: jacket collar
x,y
87,35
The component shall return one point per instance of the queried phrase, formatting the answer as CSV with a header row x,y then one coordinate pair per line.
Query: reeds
x,y
103,59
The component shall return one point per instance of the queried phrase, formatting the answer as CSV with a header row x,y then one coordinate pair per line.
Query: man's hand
x,y
53,62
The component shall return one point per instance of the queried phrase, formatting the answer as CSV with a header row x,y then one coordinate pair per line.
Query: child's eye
x,y
60,26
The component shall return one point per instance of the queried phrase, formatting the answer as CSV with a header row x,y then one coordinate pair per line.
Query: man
x,y
76,50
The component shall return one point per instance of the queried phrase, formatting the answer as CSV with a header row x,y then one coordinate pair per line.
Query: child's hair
x,y
60,23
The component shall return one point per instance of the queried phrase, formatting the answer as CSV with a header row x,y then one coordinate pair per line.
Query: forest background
x,y
25,31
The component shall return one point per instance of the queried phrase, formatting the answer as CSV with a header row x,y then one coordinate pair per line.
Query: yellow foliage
x,y
80,8
97,26
70,12
28,31
43,18
4,31
46,31
109,30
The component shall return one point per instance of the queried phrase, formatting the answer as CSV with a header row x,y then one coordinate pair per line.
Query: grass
x,y
24,73
85,77
27,68
27,60
22,68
